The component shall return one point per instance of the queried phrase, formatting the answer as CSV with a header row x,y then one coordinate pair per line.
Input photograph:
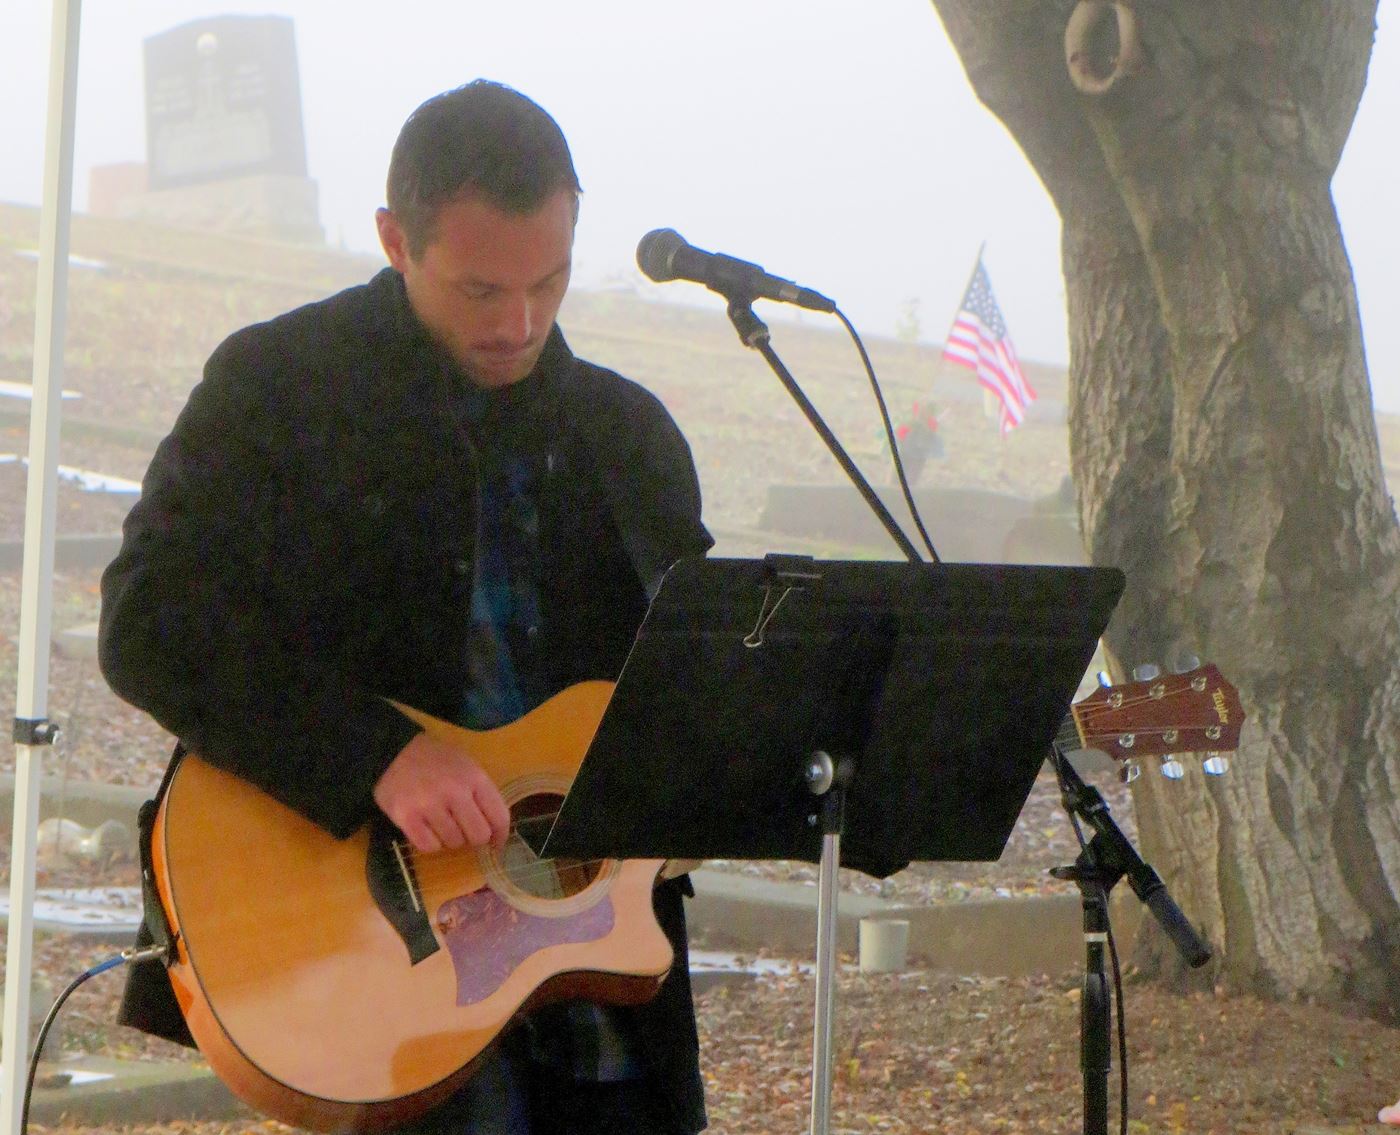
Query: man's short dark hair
x,y
482,140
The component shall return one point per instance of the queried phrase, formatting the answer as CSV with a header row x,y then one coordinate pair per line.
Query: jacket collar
x,y
437,377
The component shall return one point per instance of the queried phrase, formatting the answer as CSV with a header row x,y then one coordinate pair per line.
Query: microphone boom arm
x,y
753,332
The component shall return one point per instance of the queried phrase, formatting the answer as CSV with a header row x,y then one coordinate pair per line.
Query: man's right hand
x,y
440,798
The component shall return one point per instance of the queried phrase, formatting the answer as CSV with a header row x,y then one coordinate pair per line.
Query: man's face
x,y
489,284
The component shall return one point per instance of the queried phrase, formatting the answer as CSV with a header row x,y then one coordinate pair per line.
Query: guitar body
x,y
349,985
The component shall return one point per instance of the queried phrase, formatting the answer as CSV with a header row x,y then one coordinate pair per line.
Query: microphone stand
x,y
753,332
1108,857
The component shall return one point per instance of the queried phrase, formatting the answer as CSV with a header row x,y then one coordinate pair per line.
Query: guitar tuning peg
x,y
1146,671
1129,771
1185,662
1172,768
1215,764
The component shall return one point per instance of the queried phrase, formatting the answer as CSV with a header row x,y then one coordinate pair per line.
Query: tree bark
x,y
1224,448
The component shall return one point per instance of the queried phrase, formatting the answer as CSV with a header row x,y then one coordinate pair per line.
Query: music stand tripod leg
x,y
827,779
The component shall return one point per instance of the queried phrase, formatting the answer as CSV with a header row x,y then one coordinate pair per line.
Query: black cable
x,y
1122,1033
889,434
130,954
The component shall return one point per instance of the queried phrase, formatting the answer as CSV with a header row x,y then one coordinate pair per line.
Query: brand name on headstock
x,y
1221,710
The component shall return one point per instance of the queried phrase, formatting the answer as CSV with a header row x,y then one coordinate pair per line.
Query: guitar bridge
x,y
409,881
394,887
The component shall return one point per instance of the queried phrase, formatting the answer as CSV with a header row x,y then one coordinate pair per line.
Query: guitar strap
x,y
148,1002
154,922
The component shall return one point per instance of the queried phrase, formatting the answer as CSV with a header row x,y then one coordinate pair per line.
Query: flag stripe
x,y
979,341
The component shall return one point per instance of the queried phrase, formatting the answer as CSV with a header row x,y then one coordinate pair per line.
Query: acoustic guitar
x,y
349,985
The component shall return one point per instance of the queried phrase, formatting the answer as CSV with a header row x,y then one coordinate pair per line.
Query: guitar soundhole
x,y
542,878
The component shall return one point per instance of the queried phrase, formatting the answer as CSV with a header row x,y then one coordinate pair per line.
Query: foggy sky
x,y
836,142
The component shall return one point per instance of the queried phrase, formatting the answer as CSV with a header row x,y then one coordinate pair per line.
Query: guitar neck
x,y
1194,712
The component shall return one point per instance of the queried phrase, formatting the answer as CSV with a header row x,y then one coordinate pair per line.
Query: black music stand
x,y
842,712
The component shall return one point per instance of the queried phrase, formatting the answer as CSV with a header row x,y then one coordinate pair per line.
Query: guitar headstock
x,y
1164,716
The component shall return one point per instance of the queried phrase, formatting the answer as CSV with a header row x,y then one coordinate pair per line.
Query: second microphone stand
x,y
1106,858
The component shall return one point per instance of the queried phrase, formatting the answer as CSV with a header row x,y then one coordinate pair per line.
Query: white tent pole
x,y
31,727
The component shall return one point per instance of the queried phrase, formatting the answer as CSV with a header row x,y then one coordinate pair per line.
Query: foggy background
x,y
836,143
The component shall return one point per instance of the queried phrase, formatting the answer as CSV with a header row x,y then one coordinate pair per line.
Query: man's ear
x,y
393,239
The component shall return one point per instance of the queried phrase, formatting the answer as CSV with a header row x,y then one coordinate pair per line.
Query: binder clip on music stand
x,y
854,714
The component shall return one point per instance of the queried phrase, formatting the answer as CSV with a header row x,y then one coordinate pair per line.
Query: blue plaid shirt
x,y
590,1041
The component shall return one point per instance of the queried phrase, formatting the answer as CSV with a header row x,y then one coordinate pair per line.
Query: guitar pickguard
x,y
488,938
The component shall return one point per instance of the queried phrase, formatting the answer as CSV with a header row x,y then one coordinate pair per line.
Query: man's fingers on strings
x,y
419,833
495,811
466,816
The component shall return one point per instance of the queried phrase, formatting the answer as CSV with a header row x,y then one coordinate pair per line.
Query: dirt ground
x,y
941,1053
922,1052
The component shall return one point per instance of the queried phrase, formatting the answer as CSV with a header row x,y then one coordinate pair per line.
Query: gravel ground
x,y
929,1052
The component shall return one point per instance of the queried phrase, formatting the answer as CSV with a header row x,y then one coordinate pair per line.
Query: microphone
x,y
663,254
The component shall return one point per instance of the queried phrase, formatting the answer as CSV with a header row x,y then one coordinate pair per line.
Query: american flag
x,y
979,342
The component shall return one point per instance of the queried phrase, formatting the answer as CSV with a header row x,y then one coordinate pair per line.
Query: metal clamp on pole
x,y
34,731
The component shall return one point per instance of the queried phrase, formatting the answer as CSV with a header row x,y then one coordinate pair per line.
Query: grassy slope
x,y
140,328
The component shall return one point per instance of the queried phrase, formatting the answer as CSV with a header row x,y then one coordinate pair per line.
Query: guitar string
x,y
1099,738
1111,710
521,880
516,826
293,902
448,857
1096,734
1092,716
443,867
430,867
1096,724
434,869
1101,708
1102,705
1172,687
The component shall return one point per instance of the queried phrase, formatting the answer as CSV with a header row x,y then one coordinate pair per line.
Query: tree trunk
x,y
1223,443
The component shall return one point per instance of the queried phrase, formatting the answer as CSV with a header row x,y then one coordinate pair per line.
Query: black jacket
x,y
303,549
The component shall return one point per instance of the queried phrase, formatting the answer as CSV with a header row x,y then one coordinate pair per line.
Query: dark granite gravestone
x,y
223,100
225,142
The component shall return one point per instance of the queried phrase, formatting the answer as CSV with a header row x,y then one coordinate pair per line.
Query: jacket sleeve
x,y
649,472
215,620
